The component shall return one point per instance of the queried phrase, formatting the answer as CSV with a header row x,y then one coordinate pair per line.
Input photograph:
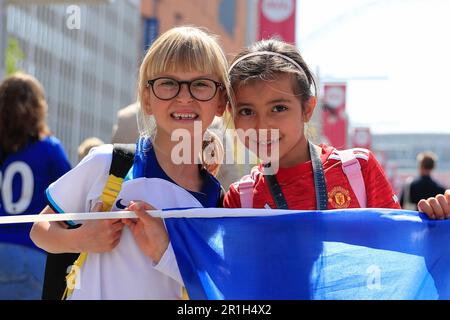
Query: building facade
x,y
234,21
87,58
398,153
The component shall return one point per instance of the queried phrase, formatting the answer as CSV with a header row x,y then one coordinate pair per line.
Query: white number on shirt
x,y
6,187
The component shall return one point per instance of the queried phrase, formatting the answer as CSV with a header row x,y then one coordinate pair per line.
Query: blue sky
x,y
393,54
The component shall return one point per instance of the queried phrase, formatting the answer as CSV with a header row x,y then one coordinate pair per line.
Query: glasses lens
x,y
203,89
165,88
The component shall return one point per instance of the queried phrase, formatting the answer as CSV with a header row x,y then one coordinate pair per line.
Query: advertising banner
x,y
277,19
334,119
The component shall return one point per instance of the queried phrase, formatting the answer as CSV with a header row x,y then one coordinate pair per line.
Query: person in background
x,y
126,128
30,159
87,145
423,186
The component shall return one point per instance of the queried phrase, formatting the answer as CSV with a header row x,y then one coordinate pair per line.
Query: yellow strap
x,y
72,276
109,195
111,191
185,294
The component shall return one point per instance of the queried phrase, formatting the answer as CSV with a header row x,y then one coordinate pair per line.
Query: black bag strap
x,y
122,159
221,197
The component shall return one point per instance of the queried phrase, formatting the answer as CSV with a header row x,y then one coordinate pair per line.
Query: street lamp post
x,y
3,20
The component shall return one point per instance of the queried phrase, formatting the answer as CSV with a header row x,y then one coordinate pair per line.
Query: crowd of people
x,y
184,80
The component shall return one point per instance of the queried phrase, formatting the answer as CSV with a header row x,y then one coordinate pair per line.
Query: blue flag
x,y
337,254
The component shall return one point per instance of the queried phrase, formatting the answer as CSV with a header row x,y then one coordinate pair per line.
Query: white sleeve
x,y
168,265
74,191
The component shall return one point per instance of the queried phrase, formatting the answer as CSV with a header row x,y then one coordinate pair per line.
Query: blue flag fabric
x,y
336,254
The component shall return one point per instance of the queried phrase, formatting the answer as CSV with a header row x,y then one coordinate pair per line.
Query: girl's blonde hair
x,y
23,112
184,48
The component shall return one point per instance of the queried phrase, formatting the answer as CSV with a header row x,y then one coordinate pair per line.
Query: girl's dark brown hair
x,y
267,67
23,112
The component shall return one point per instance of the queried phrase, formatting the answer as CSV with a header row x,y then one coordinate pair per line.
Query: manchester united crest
x,y
339,198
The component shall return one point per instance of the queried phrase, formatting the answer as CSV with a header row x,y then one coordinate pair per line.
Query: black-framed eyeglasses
x,y
202,89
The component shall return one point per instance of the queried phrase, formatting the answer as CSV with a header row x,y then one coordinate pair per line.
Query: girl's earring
x,y
208,153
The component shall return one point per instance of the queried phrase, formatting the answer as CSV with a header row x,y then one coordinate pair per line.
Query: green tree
x,y
14,55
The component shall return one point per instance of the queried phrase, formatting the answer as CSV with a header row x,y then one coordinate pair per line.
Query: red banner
x,y
334,120
277,19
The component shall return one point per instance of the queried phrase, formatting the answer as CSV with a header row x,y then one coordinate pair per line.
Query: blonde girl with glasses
x,y
183,86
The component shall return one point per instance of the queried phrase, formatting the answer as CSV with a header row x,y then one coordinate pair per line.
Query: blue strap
x,y
319,183
275,190
319,179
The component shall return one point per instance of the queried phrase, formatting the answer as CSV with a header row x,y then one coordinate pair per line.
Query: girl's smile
x,y
184,116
